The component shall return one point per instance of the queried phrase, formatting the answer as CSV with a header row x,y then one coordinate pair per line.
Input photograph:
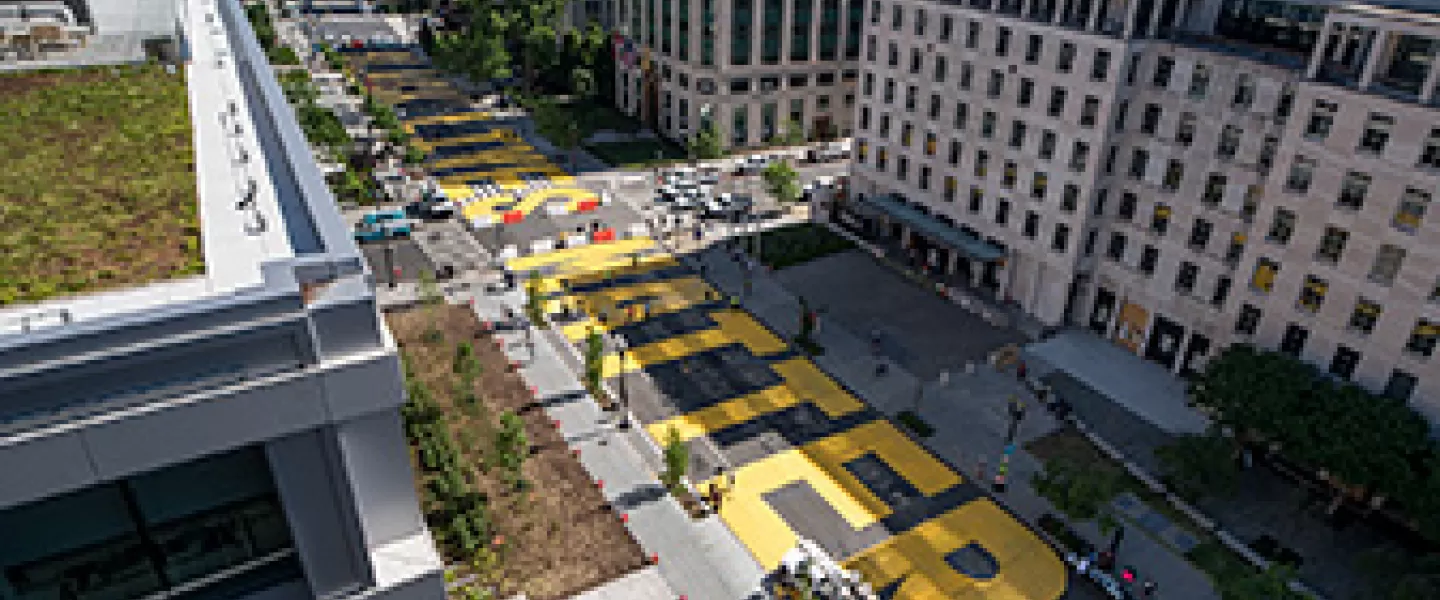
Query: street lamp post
x,y
1017,414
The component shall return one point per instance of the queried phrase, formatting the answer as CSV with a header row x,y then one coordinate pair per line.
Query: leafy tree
x,y
782,181
791,133
512,446
1082,494
582,83
534,304
594,360
677,460
706,143
1272,398
1200,465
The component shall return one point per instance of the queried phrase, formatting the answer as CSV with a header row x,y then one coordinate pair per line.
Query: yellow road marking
x,y
1028,569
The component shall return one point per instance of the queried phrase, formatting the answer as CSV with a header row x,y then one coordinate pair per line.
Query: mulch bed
x,y
560,537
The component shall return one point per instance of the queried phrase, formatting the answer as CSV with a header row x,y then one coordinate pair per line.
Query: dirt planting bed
x,y
552,538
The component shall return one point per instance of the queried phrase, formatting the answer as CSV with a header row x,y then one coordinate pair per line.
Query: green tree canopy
x,y
706,143
782,181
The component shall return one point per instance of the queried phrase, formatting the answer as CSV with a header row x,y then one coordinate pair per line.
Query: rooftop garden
x,y
98,189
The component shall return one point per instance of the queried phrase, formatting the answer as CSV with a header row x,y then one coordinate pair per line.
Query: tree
x,y
782,181
582,83
1200,465
1274,399
512,446
1079,492
706,143
791,133
594,360
677,460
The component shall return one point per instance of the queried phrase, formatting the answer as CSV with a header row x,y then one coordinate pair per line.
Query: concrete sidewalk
x,y
700,559
969,413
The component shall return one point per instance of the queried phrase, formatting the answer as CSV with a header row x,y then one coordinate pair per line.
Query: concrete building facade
x,y
230,435
1175,175
754,67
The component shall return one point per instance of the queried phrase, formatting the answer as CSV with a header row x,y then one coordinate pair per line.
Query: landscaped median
x,y
510,506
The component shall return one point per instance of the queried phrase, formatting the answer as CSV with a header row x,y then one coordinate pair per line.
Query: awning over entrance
x,y
936,230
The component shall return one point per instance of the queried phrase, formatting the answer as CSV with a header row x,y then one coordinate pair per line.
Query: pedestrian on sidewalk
x,y
1148,590
1021,370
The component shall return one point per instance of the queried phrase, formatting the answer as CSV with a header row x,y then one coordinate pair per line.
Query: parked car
x,y
752,165
386,230
435,208
728,206
827,153
376,217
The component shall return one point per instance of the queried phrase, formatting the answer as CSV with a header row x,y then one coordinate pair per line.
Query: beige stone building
x,y
1176,175
753,66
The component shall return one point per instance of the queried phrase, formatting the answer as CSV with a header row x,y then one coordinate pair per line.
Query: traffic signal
x,y
1128,574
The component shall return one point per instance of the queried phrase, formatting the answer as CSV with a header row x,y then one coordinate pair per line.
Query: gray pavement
x,y
924,333
645,584
969,414
699,559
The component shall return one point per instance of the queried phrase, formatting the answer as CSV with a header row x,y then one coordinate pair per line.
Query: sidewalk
x,y
701,559
969,413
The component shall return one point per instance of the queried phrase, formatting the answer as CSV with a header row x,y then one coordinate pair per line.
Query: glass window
x,y
1293,342
214,517
1248,321
1263,279
950,188
1200,233
1116,250
1070,198
1057,102
1185,130
1002,212
1332,245
1430,155
924,177
1027,92
1364,316
1060,242
940,66
1322,119
1199,82
1150,119
1079,156
987,125
1033,44
996,86
1312,293
1410,212
1017,134
982,163
1160,219
1301,174
1047,144
1222,291
1089,112
1344,363
1174,175
1244,91
1065,61
1387,264
1039,186
1377,133
1185,277
1128,203
930,143
1229,142
1422,339
1164,69
955,149
1149,259
1281,227
1011,174
1100,67
977,199
1400,386
1031,227
1002,42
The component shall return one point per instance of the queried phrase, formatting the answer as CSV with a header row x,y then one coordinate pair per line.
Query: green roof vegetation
x,y
98,185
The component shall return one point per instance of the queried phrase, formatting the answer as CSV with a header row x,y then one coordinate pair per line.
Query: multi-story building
x,y
753,67
224,435
1177,175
